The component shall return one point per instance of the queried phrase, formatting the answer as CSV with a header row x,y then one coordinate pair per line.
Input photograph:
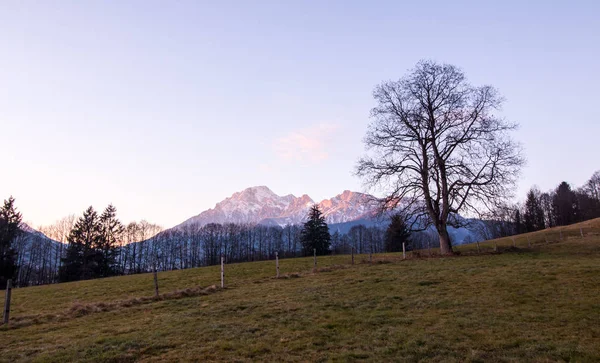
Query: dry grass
x,y
521,304
78,309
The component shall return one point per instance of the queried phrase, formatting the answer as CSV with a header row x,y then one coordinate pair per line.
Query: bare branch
x,y
436,145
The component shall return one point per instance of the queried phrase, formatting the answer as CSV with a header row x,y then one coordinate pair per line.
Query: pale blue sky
x,y
166,107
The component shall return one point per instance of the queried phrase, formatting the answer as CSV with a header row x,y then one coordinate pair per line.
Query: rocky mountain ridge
x,y
260,205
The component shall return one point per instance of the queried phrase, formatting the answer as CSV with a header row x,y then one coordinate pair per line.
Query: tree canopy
x,y
10,228
396,233
92,248
315,233
436,146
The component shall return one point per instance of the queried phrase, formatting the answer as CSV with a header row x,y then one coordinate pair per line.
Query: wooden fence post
x,y
403,251
315,260
546,237
352,249
277,263
495,246
155,282
429,247
528,241
371,257
7,300
581,231
514,242
222,271
478,249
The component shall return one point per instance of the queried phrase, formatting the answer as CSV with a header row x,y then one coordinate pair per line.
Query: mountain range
x,y
260,205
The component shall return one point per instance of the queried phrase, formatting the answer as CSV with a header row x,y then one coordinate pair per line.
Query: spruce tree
x,y
112,232
565,206
315,233
534,214
10,221
83,253
396,233
72,263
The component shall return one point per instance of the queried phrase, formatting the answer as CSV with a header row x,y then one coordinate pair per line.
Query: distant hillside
x,y
38,257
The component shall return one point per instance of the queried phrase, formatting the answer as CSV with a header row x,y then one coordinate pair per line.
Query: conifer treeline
x,y
90,246
99,245
93,246
559,207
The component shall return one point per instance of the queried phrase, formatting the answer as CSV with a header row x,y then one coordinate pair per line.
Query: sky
x,y
164,108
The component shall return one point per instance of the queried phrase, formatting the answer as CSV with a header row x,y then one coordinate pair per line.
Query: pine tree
x,y
83,253
72,263
396,233
10,221
315,233
565,206
519,227
112,232
534,214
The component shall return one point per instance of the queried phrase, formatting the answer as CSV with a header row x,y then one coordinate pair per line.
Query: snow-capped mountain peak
x,y
260,205
258,194
348,206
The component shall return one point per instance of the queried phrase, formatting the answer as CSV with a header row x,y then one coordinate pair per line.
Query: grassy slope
x,y
541,304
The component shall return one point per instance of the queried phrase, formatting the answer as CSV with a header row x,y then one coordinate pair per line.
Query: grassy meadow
x,y
538,303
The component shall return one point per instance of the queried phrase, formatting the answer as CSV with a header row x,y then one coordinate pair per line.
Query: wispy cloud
x,y
308,144
265,168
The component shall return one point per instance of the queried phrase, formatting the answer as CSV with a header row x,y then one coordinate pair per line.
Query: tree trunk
x,y
445,245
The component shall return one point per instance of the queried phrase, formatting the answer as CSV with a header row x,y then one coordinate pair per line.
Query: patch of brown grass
x,y
331,268
293,275
79,309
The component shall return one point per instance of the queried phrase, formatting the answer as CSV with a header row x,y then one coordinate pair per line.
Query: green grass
x,y
538,304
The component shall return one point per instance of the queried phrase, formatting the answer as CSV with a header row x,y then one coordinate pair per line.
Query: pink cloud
x,y
309,144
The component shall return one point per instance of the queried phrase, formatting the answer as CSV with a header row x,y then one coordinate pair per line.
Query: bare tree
x,y
435,147
593,186
59,231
